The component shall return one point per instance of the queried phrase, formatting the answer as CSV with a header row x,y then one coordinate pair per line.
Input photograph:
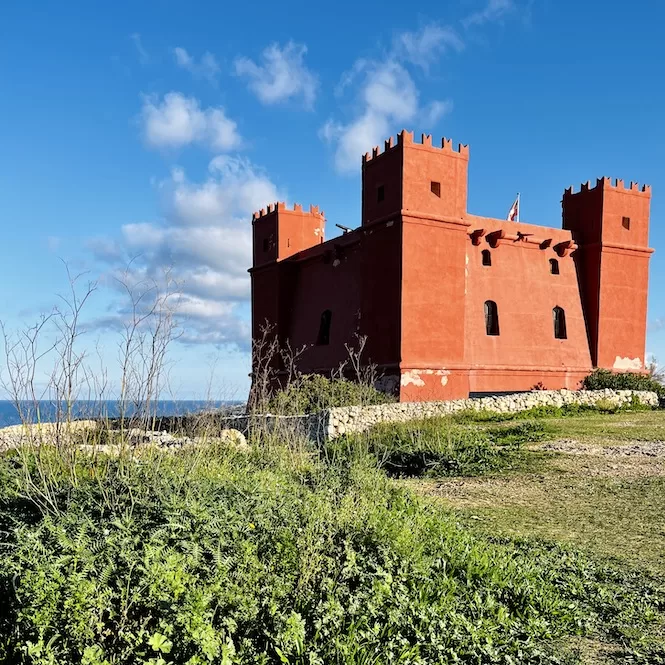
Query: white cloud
x,y
178,121
205,238
144,56
433,112
390,90
282,76
207,68
494,10
425,46
388,96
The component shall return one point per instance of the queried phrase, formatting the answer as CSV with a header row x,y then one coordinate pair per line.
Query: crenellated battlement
x,y
280,206
407,138
607,183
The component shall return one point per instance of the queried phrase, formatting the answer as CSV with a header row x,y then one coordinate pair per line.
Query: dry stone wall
x,y
353,419
335,422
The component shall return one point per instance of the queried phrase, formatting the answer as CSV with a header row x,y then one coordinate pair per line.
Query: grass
x,y
611,505
285,554
610,428
442,447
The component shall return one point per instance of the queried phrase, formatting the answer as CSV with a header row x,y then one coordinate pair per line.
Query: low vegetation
x,y
441,447
454,540
311,393
471,443
282,556
604,378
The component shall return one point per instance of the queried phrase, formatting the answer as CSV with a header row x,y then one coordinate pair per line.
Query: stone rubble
x,y
86,438
629,449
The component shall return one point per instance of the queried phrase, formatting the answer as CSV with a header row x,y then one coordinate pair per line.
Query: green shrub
x,y
600,379
312,393
223,557
438,447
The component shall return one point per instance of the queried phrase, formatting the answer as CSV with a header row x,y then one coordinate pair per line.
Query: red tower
x,y
424,188
610,224
279,233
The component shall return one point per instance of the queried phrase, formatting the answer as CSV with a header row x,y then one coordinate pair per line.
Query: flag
x,y
514,214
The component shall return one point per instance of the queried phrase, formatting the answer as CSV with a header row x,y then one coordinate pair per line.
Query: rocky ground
x,y
629,449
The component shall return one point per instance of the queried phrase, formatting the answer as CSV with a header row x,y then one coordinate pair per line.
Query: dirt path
x,y
629,449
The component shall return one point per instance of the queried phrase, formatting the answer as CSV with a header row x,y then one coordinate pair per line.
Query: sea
x,y
47,410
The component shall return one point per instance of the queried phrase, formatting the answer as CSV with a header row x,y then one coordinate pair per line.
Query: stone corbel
x,y
476,236
494,238
565,248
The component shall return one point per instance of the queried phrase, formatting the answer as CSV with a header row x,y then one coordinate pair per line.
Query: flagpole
x,y
519,205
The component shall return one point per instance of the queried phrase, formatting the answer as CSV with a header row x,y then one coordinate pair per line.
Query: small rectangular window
x,y
266,244
380,193
436,188
625,222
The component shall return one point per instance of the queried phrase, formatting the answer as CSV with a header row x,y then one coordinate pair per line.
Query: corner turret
x,y
280,232
610,224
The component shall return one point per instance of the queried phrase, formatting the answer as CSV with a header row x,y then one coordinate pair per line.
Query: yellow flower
x,y
251,525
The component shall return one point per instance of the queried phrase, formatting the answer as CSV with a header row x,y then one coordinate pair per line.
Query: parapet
x,y
606,183
406,138
282,207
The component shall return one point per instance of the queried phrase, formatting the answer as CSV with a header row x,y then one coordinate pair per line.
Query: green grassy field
x,y
460,540
613,504
610,505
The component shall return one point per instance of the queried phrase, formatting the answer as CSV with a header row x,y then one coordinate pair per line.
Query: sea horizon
x,y
46,411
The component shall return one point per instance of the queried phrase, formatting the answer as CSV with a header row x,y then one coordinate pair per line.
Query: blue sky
x,y
152,130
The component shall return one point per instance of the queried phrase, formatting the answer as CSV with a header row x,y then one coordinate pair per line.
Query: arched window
x,y
491,318
324,329
559,318
487,257
554,266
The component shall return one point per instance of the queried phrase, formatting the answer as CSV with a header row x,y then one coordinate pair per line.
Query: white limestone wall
x,y
353,419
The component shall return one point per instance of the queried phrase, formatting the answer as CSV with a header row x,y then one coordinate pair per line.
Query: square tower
x,y
610,224
422,190
415,177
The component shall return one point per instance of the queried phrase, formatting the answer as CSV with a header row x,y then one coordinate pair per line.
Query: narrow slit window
x,y
554,266
380,193
491,318
487,257
324,329
625,222
559,317
436,188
